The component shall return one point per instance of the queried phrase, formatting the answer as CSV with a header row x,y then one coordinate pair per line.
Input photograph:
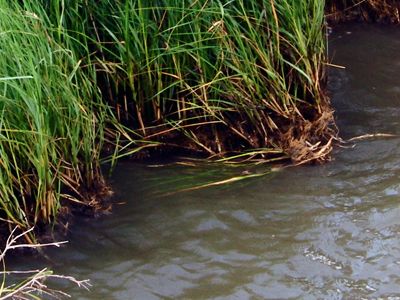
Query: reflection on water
x,y
312,232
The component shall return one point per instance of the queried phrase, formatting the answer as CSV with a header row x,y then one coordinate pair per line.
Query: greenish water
x,y
312,232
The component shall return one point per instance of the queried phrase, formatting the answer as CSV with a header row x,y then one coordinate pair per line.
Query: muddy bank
x,y
371,11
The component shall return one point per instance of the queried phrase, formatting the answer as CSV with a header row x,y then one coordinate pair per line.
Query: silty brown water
x,y
312,232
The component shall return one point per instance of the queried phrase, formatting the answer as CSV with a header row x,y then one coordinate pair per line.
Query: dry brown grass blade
x,y
217,183
371,136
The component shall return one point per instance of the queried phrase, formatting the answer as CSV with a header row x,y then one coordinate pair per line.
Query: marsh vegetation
x,y
221,79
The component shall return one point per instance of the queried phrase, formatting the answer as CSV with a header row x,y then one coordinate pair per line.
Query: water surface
x,y
312,232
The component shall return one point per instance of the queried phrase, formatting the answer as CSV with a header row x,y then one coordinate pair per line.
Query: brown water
x,y
313,232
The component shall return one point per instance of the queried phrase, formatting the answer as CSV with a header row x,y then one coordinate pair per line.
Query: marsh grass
x,y
218,77
236,80
50,129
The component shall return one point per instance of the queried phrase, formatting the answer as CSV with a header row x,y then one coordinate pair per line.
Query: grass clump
x,y
236,79
50,129
218,77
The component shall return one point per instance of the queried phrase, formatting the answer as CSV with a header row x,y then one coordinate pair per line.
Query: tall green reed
x,y
50,129
216,76
240,71
232,70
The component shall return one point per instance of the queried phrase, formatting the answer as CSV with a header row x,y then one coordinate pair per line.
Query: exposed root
x,y
302,139
310,141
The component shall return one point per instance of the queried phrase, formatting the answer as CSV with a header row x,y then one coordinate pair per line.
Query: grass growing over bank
x,y
211,76
237,79
50,128
219,77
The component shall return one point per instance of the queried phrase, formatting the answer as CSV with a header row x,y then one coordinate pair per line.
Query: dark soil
x,y
376,11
